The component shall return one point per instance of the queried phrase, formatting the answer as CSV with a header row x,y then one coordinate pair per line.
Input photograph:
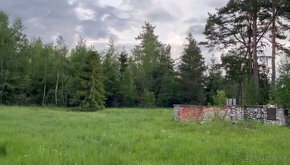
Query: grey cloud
x,y
216,3
160,15
196,29
48,18
196,20
41,17
138,4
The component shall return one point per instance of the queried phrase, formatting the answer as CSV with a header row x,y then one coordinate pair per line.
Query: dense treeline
x,y
32,72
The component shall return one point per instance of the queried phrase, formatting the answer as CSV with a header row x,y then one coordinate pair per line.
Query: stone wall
x,y
197,113
266,114
237,113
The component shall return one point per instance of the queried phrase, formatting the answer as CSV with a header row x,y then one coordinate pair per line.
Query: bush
x,y
282,93
220,99
148,99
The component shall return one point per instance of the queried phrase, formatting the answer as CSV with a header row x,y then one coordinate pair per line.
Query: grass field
x,y
33,135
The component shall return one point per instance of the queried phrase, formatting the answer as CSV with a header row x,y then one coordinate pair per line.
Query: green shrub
x,y
220,98
281,93
148,99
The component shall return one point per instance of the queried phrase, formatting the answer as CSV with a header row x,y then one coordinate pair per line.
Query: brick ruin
x,y
266,114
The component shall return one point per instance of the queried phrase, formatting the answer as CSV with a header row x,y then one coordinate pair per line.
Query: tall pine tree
x,y
191,74
92,94
111,76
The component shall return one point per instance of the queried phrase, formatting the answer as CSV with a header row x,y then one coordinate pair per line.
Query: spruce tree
x,y
153,61
168,92
146,55
92,91
191,74
123,61
111,76
78,61
127,90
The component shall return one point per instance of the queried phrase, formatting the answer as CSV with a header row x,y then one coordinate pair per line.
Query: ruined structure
x,y
266,114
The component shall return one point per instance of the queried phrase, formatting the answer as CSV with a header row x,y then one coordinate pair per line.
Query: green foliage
x,y
13,61
123,61
281,93
153,61
111,76
191,70
213,81
32,72
220,98
167,95
239,29
78,61
127,90
92,91
250,95
147,99
61,67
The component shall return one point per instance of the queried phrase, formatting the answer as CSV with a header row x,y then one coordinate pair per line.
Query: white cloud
x,y
84,14
113,3
104,17
71,2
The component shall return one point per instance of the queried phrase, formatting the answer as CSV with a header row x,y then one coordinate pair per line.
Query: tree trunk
x,y
44,87
255,56
249,46
273,44
250,53
62,91
56,87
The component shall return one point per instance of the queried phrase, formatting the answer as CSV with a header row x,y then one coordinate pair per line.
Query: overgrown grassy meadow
x,y
34,135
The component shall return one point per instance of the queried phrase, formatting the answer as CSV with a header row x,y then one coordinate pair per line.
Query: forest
x,y
83,78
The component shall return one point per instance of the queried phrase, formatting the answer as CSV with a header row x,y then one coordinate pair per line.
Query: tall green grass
x,y
34,135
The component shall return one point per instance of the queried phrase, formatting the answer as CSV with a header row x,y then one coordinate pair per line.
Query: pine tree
x,y
111,76
191,73
146,55
213,81
164,68
92,91
168,92
127,90
123,61
278,11
240,26
78,61
153,61
236,69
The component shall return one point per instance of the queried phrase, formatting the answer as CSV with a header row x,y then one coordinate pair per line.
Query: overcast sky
x,y
98,20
